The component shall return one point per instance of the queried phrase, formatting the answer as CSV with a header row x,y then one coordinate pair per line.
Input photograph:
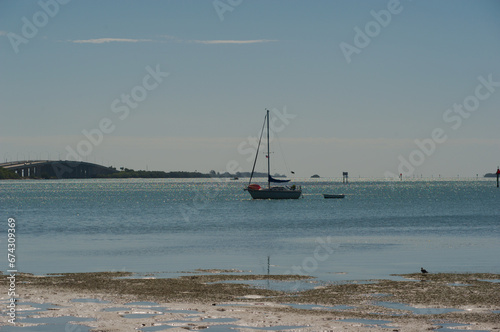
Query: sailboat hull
x,y
275,194
256,191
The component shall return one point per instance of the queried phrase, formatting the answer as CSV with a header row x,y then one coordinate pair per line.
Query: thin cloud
x,y
171,39
3,33
110,40
214,42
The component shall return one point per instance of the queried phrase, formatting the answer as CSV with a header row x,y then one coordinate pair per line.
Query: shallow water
x,y
135,316
296,285
89,300
142,303
414,310
49,324
318,307
177,226
226,328
452,327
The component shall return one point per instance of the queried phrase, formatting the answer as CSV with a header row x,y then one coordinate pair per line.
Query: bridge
x,y
60,169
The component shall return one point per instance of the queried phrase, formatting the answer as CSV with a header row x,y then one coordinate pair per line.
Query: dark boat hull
x,y
333,196
275,194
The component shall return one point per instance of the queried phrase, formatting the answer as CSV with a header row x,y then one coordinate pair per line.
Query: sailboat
x,y
275,192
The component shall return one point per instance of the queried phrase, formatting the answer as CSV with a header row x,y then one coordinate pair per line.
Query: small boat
x,y
333,196
281,192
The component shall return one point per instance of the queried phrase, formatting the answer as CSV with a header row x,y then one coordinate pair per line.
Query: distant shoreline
x,y
130,174
6,174
490,175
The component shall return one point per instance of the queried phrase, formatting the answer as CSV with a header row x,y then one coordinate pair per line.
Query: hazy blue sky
x,y
360,99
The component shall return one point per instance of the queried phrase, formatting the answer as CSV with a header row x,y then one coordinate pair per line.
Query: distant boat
x,y
333,196
282,192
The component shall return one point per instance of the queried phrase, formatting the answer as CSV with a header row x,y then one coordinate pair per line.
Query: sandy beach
x,y
124,302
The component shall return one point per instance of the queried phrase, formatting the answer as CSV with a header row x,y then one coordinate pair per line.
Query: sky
x,y
375,88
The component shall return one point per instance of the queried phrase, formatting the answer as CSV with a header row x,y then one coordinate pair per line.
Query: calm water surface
x,y
169,226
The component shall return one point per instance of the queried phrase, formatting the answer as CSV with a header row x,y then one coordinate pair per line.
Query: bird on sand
x,y
424,271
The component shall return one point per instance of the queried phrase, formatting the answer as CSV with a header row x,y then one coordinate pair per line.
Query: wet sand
x,y
119,301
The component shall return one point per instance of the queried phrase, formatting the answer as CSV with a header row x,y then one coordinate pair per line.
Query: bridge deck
x,y
60,169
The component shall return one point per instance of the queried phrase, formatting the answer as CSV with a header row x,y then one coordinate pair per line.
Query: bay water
x,y
176,226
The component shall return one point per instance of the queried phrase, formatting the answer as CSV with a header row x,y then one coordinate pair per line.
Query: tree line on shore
x,y
6,174
125,173
130,173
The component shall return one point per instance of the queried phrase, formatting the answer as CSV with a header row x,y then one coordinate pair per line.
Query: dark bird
x,y
292,172
424,271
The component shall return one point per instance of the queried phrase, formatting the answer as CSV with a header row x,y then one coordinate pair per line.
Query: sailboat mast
x,y
268,154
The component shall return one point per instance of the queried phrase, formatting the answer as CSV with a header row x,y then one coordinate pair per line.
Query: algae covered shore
x,y
413,302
